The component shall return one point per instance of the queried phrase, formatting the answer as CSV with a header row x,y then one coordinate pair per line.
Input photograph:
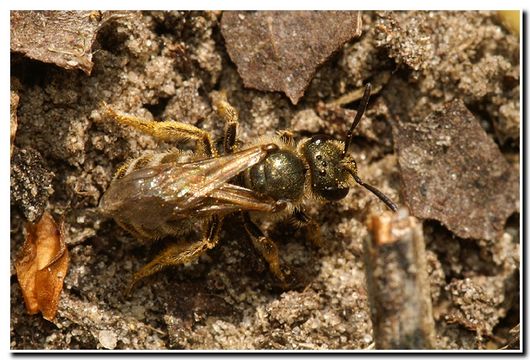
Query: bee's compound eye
x,y
334,194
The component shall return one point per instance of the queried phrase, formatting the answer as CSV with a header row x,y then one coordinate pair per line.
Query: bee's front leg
x,y
312,227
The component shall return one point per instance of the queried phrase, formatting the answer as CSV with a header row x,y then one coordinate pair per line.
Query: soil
x,y
169,65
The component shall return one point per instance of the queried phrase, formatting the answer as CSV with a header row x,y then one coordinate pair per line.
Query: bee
x,y
170,194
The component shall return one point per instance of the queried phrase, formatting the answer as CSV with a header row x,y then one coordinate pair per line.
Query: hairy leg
x,y
313,229
231,118
180,253
166,130
266,247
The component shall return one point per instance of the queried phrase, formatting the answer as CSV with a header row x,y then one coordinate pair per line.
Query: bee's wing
x,y
168,191
229,198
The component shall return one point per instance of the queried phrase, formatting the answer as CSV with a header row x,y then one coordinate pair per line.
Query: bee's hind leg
x,y
180,253
167,130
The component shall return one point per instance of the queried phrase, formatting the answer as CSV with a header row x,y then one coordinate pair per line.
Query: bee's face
x,y
329,178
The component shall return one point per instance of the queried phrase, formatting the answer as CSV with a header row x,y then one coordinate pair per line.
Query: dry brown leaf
x,y
282,50
454,172
42,266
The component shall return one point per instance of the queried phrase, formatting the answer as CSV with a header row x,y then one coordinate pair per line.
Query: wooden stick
x,y
398,284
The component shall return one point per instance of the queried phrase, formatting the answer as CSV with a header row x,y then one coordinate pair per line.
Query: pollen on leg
x,y
142,161
122,170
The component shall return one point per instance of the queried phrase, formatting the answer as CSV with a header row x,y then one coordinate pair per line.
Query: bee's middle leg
x,y
180,253
266,247
167,130
231,118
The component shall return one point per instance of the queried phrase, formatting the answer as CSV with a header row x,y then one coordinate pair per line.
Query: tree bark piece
x,y
63,38
398,284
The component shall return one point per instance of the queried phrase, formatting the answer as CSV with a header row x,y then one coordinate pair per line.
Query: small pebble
x,y
107,339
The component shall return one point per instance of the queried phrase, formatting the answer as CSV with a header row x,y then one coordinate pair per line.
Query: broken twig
x,y
398,285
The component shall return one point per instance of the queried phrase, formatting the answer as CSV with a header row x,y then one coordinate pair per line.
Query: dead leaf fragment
x,y
281,50
453,172
42,265
63,38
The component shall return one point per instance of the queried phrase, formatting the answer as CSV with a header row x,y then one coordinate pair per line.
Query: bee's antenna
x,y
358,116
353,170
391,205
